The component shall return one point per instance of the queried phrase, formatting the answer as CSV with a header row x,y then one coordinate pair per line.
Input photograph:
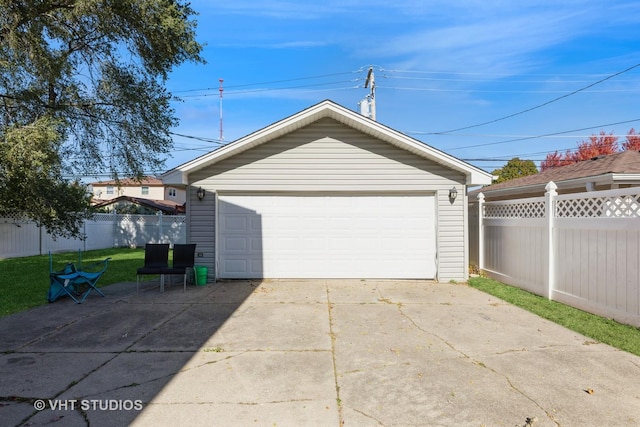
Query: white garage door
x,y
326,236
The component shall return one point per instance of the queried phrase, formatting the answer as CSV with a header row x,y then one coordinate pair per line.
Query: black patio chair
x,y
156,260
183,261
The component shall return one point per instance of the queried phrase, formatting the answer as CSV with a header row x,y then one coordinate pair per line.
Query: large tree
x,y
515,168
82,92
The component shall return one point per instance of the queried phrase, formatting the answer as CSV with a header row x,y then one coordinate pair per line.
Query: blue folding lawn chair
x,y
73,281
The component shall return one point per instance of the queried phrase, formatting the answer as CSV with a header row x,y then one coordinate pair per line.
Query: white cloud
x,y
503,44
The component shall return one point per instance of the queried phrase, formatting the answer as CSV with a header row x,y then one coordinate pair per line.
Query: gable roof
x,y
324,109
623,167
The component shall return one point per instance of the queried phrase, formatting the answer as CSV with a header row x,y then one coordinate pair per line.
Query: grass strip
x,y
24,282
607,331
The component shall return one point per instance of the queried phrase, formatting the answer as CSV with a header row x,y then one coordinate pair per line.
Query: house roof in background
x,y
324,109
130,182
602,169
166,206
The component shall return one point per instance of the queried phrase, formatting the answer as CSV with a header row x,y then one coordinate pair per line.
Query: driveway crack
x,y
364,414
479,363
333,356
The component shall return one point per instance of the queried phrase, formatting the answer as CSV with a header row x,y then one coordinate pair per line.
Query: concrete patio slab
x,y
306,352
265,326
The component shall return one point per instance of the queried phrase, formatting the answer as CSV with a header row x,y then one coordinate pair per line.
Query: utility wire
x,y
272,82
241,92
384,70
422,89
540,105
543,135
198,138
449,79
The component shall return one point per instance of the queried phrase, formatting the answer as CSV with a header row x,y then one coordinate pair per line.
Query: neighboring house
x,y
147,188
146,196
128,204
328,193
618,170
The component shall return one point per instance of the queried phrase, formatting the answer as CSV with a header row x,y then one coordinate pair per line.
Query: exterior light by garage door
x,y
200,193
453,193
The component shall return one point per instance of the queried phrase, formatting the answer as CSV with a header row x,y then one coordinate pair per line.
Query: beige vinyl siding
x,y
452,256
329,157
201,228
326,156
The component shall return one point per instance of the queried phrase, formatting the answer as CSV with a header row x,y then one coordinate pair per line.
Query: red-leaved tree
x,y
597,145
632,142
553,160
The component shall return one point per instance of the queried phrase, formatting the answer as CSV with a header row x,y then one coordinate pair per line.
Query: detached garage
x,y
328,193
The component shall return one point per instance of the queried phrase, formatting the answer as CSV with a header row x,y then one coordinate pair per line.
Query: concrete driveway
x,y
309,352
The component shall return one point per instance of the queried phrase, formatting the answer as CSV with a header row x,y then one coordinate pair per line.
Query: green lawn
x,y
24,282
604,330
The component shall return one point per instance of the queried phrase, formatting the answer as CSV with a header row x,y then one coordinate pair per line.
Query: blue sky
x,y
439,66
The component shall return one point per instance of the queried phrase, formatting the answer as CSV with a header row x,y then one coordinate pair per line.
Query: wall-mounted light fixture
x,y
453,193
200,193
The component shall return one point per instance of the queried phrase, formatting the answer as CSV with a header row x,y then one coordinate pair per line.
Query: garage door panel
x,y
327,236
235,266
236,223
235,244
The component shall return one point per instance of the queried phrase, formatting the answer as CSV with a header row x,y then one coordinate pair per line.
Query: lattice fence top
x,y
102,217
515,210
619,206
174,219
151,219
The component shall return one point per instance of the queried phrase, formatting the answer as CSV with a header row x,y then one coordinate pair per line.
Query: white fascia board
x,y
626,178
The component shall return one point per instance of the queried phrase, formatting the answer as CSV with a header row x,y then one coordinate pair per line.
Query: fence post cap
x,y
551,187
481,197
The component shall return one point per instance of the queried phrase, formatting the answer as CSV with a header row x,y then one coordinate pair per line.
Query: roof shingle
x,y
623,162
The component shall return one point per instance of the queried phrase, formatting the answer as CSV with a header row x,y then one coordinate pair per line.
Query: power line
x,y
241,92
458,73
422,89
449,79
541,105
273,81
493,135
198,138
543,135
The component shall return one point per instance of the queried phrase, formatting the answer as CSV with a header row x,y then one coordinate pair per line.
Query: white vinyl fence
x,y
580,249
24,238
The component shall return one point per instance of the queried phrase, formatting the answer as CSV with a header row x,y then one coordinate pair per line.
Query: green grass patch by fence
x,y
607,331
24,282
